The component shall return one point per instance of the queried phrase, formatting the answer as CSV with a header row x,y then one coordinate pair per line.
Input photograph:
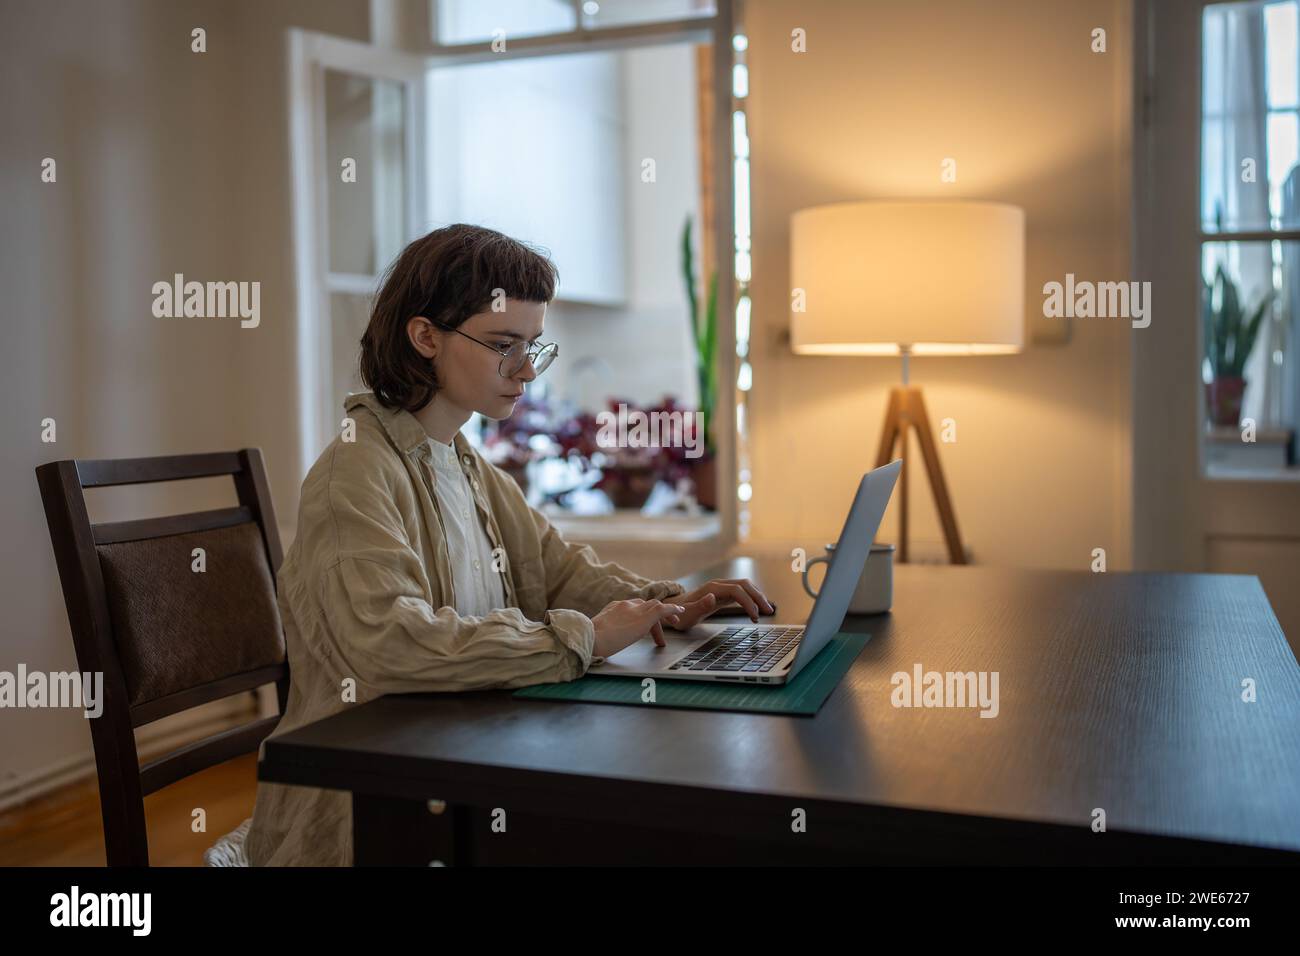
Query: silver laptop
x,y
768,653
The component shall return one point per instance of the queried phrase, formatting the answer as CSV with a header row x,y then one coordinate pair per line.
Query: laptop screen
x,y
847,560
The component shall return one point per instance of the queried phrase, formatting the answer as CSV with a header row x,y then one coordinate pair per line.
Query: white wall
x,y
168,161
886,90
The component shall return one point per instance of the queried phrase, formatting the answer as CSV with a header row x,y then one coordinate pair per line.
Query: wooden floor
x,y
65,829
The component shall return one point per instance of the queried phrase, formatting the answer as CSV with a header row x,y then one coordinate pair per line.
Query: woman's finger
x,y
759,597
694,612
741,597
748,587
702,609
659,612
656,611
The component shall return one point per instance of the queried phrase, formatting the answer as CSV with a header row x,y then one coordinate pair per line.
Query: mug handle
x,y
808,567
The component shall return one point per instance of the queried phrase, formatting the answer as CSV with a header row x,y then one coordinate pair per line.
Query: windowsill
x,y
630,525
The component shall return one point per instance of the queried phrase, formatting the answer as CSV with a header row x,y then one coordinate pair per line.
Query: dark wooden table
x,y
1116,691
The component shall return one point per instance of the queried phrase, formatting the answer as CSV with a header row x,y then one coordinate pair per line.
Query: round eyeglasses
x,y
512,358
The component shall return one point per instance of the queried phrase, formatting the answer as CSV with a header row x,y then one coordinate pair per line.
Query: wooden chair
x,y
167,638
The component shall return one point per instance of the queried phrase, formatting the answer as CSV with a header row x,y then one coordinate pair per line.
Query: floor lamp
x,y
915,278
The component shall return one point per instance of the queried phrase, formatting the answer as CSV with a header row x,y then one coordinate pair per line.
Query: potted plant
x,y
675,462
704,333
627,475
1229,337
510,445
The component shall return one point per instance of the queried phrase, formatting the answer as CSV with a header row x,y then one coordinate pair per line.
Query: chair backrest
x,y
168,633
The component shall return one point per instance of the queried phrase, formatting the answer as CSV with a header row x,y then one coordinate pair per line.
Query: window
x,y
1250,225
476,21
589,129
595,157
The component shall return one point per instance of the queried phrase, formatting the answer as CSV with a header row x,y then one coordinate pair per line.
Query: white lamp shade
x,y
942,278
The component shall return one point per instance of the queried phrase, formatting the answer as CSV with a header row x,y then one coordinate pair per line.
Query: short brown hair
x,y
446,276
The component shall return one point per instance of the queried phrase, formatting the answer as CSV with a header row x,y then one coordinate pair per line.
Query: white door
x,y
356,120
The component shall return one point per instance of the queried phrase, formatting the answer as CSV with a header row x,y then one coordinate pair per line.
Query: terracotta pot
x,y
1223,400
628,486
704,475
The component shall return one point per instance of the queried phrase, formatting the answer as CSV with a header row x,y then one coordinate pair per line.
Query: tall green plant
x,y
704,333
1229,333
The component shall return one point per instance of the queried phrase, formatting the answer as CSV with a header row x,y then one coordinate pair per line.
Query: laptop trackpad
x,y
644,656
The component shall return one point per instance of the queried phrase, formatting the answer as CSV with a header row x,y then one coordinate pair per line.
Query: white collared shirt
x,y
479,589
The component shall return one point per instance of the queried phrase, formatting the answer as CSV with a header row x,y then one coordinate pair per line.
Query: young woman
x,y
418,565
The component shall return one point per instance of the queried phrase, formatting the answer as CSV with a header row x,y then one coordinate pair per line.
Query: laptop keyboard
x,y
744,650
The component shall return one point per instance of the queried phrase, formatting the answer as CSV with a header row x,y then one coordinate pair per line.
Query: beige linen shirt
x,y
367,597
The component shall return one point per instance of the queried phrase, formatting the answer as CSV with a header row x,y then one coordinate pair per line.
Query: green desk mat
x,y
804,695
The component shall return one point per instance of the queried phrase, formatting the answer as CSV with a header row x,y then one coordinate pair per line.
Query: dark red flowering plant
x,y
629,470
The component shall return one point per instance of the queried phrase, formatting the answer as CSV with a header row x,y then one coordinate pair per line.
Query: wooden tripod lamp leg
x,y
889,434
907,410
895,423
919,420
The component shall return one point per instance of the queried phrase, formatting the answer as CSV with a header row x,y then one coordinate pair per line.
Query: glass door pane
x,y
1250,295
1250,131
356,129
365,170
349,315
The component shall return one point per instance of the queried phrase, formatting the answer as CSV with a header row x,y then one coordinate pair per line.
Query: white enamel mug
x,y
875,591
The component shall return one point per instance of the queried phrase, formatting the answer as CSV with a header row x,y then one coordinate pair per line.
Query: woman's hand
x,y
625,622
718,594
